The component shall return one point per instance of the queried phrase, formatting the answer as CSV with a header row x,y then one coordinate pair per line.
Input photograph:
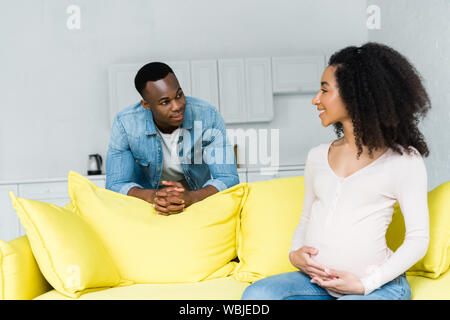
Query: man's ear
x,y
146,105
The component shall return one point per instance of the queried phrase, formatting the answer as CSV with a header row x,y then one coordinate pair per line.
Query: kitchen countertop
x,y
102,176
37,180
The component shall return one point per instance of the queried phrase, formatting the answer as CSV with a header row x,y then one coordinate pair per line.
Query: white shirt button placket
x,y
334,204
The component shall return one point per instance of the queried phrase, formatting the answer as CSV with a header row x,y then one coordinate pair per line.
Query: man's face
x,y
167,102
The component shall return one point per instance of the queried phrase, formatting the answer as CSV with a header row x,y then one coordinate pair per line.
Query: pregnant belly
x,y
348,251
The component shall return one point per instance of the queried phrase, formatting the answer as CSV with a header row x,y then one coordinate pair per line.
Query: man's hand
x,y
301,259
172,199
344,283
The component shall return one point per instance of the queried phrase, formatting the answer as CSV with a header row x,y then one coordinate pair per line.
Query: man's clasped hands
x,y
172,199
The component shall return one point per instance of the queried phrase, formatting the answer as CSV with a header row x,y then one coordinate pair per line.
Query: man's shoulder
x,y
199,105
132,119
131,110
203,111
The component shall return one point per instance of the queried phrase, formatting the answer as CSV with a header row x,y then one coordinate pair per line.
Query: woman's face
x,y
328,101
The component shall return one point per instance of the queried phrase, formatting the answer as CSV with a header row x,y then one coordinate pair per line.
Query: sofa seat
x,y
231,289
216,289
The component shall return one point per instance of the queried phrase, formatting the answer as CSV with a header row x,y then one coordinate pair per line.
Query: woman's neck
x,y
349,139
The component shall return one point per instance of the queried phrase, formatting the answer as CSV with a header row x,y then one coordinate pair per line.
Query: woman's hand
x,y
301,259
344,283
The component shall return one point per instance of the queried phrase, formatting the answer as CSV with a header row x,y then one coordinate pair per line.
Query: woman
x,y
374,98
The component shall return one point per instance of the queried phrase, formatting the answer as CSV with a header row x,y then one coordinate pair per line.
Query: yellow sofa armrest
x,y
20,277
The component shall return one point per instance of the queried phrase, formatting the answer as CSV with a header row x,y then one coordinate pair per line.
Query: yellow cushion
x,y
268,220
424,288
20,277
216,289
69,253
194,245
437,259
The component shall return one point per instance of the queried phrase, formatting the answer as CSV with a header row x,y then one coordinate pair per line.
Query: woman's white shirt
x,y
346,218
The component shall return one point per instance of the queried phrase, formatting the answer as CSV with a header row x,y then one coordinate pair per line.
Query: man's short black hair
x,y
152,71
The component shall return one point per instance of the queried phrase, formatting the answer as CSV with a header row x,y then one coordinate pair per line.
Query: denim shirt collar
x,y
150,128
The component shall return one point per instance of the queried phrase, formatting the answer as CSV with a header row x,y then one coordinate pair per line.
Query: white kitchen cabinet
x,y
232,90
245,90
258,80
182,70
204,81
242,173
262,174
53,191
242,88
299,74
9,222
253,176
122,92
44,190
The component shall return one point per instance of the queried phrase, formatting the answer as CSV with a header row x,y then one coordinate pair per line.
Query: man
x,y
168,149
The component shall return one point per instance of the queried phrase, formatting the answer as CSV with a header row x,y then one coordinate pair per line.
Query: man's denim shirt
x,y
135,156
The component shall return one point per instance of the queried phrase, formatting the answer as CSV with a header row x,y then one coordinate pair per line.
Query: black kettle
x,y
95,164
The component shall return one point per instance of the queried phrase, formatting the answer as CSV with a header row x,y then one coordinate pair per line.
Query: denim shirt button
x,y
158,169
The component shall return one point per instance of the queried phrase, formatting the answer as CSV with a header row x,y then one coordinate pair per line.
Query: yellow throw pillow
x,y
69,253
20,277
268,220
194,245
437,259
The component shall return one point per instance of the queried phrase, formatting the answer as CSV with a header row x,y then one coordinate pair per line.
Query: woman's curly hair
x,y
384,96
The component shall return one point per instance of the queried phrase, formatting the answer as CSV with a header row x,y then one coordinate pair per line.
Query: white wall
x,y
420,30
53,82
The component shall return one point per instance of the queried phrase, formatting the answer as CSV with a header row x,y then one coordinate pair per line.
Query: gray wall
x,y
420,30
53,82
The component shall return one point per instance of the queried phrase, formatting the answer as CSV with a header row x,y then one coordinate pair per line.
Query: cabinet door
x,y
99,182
122,92
182,70
9,222
258,76
232,90
258,176
268,174
205,84
242,176
44,190
290,173
297,74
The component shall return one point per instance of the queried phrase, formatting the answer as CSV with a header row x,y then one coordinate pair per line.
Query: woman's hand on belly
x,y
344,283
302,260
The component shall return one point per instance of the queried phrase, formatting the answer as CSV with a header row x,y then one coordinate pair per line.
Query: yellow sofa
x,y
27,282
35,286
